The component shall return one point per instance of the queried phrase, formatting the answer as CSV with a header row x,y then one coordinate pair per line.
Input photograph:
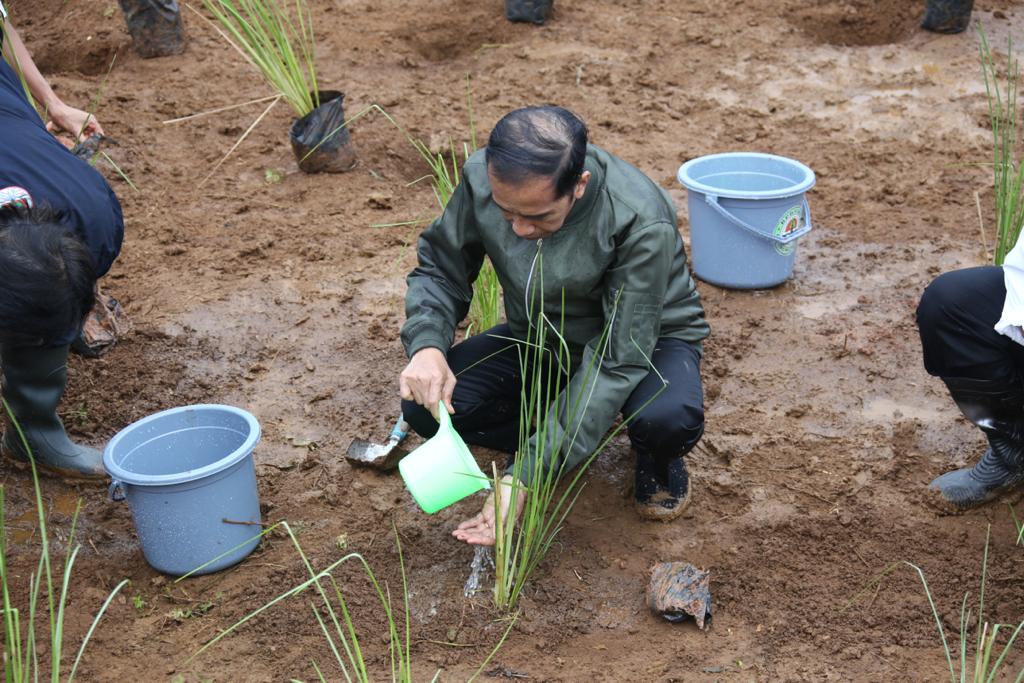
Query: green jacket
x,y
619,252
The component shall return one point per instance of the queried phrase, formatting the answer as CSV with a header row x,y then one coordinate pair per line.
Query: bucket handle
x,y
712,201
115,491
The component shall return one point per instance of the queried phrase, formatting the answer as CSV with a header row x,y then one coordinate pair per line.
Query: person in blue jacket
x,y
61,228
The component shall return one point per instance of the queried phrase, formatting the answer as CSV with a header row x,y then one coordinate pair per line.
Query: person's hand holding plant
x,y
78,123
480,529
65,118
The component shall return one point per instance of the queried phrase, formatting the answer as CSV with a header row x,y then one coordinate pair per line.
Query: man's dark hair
x,y
547,142
47,277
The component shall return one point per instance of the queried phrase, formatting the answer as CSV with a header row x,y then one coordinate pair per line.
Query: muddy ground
x,y
272,290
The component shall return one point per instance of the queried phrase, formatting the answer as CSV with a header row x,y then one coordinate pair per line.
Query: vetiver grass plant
x,y
545,364
277,38
1007,171
986,662
22,642
332,614
485,310
485,307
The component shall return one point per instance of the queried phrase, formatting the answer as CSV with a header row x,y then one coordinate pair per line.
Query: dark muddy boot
x,y
155,27
662,489
947,16
532,11
34,380
997,407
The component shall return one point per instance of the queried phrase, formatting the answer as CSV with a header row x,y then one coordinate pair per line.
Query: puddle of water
x,y
22,528
885,409
826,304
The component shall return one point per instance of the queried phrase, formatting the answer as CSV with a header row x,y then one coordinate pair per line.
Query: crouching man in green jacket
x,y
612,258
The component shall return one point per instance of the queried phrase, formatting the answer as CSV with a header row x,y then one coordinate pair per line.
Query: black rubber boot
x,y
997,407
34,380
947,16
155,27
662,489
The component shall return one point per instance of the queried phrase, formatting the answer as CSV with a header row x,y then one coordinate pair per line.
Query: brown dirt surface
x,y
272,290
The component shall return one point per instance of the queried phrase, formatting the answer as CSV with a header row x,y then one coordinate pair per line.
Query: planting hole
x,y
859,22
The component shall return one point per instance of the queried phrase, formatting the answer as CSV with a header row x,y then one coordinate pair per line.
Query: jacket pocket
x,y
636,328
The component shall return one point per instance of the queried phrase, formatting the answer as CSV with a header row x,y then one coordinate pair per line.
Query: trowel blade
x,y
380,456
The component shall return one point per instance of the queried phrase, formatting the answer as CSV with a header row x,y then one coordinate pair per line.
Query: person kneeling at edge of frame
x,y
61,228
971,322
613,251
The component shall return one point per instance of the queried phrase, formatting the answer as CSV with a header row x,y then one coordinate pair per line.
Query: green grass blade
x,y
95,102
494,651
124,176
331,644
92,627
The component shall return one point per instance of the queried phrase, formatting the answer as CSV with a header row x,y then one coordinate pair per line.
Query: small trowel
x,y
381,456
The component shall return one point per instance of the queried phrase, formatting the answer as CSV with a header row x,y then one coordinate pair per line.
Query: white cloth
x,y
1013,308
3,12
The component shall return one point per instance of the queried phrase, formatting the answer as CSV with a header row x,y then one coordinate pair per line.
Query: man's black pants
x,y
489,383
957,317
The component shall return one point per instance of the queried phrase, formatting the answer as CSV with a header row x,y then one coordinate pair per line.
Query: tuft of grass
x,y
485,310
276,37
485,307
986,665
332,614
22,642
1007,171
545,397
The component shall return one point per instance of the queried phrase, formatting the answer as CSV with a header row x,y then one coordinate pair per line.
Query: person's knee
x,y
419,418
957,294
938,297
668,432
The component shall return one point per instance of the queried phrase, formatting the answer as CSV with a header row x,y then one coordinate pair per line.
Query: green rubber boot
x,y
997,407
34,379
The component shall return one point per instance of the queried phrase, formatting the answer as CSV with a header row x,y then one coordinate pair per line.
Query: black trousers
x,y
487,397
956,319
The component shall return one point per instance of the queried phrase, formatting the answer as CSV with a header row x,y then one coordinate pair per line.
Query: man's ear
x,y
581,185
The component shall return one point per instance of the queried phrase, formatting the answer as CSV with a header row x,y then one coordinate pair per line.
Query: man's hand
x,y
74,121
427,380
479,529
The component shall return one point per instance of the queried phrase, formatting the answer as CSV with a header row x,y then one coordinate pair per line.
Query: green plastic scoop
x,y
442,471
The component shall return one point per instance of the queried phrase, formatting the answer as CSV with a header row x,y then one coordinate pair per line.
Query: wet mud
x,y
273,290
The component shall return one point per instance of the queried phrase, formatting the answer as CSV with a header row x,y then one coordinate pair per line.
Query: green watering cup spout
x,y
442,471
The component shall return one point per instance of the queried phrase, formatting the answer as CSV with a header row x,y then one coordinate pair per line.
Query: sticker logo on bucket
x,y
787,225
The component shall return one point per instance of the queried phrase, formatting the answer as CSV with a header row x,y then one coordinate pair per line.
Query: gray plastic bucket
x,y
747,211
184,471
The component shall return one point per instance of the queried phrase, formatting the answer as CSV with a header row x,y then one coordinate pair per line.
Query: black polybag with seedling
x,y
532,11
321,140
155,27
